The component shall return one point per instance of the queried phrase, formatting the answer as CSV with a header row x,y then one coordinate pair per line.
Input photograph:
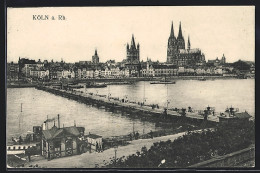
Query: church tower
x,y
223,59
180,39
95,58
172,48
133,52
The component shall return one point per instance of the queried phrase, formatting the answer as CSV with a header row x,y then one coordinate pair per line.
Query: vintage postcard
x,y
131,87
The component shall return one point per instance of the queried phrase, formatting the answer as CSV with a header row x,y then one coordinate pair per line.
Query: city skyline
x,y
86,29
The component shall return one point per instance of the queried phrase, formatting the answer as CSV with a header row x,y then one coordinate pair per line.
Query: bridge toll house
x,y
60,142
232,116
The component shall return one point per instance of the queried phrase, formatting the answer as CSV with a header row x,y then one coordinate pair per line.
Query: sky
x,y
218,30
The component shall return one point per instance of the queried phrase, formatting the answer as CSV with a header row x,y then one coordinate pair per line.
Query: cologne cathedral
x,y
178,55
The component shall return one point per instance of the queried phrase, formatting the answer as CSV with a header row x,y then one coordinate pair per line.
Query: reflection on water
x,y
36,104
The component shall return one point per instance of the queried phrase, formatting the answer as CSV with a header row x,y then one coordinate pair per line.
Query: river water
x,y
36,104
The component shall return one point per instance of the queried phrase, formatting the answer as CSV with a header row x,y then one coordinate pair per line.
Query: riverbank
x,y
230,142
97,159
21,160
116,81
164,129
21,85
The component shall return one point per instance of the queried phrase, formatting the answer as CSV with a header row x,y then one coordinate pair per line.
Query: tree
x,y
192,148
241,65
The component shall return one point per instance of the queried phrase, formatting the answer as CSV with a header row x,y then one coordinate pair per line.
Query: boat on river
x,y
202,79
164,81
119,83
95,85
76,86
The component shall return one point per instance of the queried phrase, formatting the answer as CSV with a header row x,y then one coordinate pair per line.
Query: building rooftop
x,y
183,51
242,115
238,115
55,132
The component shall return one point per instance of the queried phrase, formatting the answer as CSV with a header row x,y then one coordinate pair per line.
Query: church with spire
x,y
133,51
178,55
95,58
133,58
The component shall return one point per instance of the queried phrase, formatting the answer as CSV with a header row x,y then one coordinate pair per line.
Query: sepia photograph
x,y
130,87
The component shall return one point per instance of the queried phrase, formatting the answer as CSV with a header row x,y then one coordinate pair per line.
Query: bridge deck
x,y
133,106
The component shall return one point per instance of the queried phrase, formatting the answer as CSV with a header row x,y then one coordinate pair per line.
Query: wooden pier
x,y
117,105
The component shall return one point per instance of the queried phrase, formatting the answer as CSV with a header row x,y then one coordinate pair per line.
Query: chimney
x,y
44,126
58,120
75,123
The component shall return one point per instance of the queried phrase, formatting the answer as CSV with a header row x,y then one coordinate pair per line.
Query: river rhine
x,y
36,104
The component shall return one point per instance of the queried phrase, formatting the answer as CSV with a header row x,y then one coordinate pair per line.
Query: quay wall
x,y
133,79
21,85
228,160
117,106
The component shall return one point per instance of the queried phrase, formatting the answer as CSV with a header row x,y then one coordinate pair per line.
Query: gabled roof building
x,y
60,142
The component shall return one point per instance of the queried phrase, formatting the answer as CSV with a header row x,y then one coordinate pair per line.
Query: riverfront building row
x,y
147,69
180,61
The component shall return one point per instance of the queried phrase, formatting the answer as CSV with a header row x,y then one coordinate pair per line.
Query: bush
x,y
191,148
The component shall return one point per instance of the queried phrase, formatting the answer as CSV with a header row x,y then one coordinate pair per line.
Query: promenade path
x,y
89,160
194,115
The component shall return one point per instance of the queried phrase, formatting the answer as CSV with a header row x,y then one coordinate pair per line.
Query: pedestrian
x,y
130,135
137,135
96,146
151,133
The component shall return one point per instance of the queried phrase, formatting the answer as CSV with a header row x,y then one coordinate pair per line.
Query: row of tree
x,y
192,148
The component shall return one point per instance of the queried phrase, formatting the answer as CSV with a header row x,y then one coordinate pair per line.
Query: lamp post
x,y
162,162
115,148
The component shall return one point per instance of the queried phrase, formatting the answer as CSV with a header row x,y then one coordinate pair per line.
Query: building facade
x,y
12,71
59,142
178,55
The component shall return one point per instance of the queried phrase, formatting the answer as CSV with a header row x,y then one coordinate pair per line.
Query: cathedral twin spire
x,y
172,31
179,34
